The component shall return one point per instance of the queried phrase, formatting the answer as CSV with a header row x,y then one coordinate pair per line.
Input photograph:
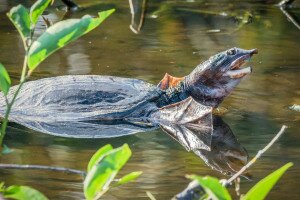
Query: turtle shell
x,y
86,129
80,98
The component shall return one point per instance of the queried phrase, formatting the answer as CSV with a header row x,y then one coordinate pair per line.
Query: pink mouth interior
x,y
236,71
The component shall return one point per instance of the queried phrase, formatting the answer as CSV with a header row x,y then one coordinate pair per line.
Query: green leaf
x,y
37,9
127,178
102,174
98,156
19,16
2,187
4,80
263,187
212,187
23,193
60,34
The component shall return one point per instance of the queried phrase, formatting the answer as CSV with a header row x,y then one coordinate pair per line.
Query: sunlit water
x,y
176,36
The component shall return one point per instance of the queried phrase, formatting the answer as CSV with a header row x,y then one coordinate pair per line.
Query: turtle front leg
x,y
169,81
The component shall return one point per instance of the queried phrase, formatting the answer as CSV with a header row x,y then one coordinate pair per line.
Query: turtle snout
x,y
253,51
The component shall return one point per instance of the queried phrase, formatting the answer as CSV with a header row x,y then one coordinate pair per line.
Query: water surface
x,y
175,37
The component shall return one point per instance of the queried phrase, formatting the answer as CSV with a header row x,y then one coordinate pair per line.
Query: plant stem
x,y
290,17
142,17
237,182
258,155
150,195
8,109
43,167
10,104
24,69
285,3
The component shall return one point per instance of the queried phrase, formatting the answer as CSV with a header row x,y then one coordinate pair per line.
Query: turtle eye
x,y
231,52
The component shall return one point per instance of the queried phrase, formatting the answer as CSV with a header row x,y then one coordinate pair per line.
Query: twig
x,y
47,22
150,195
142,18
237,186
285,3
43,167
290,17
142,15
258,155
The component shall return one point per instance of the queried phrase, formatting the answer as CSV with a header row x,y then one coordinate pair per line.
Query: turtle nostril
x,y
231,52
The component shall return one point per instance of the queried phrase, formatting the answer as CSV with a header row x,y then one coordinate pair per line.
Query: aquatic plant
x,y
207,187
36,51
215,190
102,169
106,163
20,192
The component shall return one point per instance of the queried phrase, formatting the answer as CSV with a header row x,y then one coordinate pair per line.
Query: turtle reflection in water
x,y
88,106
225,155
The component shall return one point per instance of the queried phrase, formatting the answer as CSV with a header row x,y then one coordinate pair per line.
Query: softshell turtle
x,y
58,105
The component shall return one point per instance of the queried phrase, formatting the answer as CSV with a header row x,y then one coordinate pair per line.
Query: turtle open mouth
x,y
236,71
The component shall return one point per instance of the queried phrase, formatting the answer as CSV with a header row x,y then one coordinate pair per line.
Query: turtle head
x,y
211,81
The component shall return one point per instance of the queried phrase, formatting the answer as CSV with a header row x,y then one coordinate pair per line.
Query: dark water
x,y
176,36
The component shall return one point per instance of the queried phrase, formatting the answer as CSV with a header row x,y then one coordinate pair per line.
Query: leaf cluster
x,y
18,192
216,191
54,38
103,168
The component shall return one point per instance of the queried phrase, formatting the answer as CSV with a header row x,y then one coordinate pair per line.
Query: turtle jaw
x,y
235,69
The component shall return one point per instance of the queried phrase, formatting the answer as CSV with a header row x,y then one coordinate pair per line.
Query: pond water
x,y
175,37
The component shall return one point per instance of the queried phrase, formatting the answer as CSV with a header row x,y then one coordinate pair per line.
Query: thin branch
x,y
237,186
285,3
290,17
9,107
43,167
142,18
47,21
150,195
132,16
258,155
